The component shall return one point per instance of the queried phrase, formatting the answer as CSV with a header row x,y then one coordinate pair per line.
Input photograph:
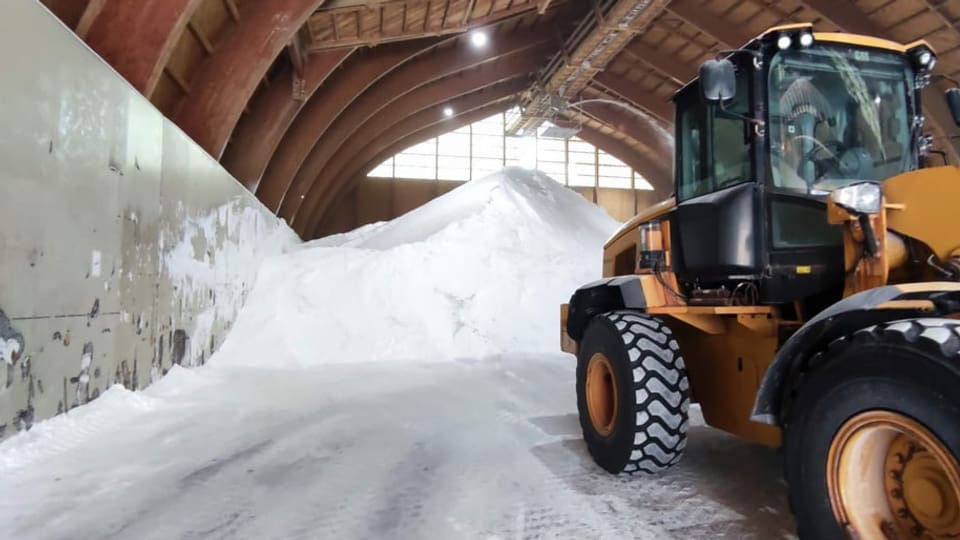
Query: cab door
x,y
717,224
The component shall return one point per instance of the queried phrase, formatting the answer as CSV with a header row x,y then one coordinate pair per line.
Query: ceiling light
x,y
448,111
478,39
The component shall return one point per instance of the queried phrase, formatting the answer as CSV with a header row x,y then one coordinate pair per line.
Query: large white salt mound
x,y
479,271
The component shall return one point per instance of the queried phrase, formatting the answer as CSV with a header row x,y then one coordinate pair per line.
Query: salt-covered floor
x,y
400,381
465,449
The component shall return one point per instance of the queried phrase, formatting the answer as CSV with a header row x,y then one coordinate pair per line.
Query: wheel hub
x,y
889,477
920,491
602,398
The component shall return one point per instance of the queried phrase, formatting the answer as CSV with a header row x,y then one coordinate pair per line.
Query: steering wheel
x,y
830,163
831,146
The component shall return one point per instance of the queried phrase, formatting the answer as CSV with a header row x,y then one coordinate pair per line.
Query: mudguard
x,y
623,292
879,305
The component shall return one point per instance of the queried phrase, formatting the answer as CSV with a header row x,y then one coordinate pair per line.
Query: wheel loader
x,y
802,285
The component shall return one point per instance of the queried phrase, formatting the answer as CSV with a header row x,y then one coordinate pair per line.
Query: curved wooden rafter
x,y
446,92
359,72
258,133
416,74
660,109
430,117
653,141
651,170
417,136
229,77
136,38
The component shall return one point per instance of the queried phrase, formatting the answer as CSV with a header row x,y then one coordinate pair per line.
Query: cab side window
x,y
731,146
694,176
714,146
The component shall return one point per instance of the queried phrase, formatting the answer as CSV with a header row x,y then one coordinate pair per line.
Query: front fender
x,y
879,305
624,292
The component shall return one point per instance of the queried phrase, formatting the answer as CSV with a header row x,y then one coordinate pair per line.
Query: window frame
x,y
688,101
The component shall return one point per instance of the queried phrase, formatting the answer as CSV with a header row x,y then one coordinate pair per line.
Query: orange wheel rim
x,y
890,477
601,394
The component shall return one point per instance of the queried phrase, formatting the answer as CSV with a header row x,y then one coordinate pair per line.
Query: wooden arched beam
x,y
359,72
136,37
417,137
432,116
258,133
415,74
652,171
226,80
432,95
661,109
655,144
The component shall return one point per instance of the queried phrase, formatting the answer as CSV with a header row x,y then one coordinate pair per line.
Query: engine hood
x,y
924,204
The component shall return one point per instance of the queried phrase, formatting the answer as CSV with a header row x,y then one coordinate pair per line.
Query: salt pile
x,y
479,271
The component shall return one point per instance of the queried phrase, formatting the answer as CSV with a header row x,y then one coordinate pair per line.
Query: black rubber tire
x,y
650,430
909,367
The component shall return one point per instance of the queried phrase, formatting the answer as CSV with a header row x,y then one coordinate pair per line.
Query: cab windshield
x,y
839,115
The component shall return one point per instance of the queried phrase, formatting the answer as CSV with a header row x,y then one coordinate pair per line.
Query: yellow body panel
x,y
867,41
848,39
653,212
725,371
930,200
785,28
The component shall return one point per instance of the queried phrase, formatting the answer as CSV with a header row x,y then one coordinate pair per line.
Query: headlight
x,y
862,198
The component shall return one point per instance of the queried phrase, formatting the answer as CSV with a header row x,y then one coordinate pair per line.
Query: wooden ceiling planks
x,y
380,22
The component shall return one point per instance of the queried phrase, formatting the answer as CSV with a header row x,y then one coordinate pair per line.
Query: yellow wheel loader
x,y
802,286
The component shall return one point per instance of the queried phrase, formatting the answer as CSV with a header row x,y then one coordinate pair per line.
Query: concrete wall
x,y
382,199
124,248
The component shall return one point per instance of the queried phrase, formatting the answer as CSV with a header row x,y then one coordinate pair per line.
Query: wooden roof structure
x,y
298,99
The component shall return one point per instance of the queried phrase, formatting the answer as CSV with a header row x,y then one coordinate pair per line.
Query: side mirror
x,y
718,81
953,99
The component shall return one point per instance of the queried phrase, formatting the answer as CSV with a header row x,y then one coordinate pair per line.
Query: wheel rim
x,y
889,477
601,394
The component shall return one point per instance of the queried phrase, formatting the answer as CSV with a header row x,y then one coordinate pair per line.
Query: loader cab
x,y
762,137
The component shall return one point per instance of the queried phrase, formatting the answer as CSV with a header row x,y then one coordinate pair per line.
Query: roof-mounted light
x,y
805,39
923,58
784,42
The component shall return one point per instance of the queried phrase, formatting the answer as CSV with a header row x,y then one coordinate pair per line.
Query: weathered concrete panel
x,y
124,248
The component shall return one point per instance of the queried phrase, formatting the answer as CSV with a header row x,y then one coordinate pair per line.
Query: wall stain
x,y
179,348
125,376
25,368
12,344
23,419
82,379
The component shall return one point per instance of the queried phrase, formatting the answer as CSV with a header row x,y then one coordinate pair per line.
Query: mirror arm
x,y
739,116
